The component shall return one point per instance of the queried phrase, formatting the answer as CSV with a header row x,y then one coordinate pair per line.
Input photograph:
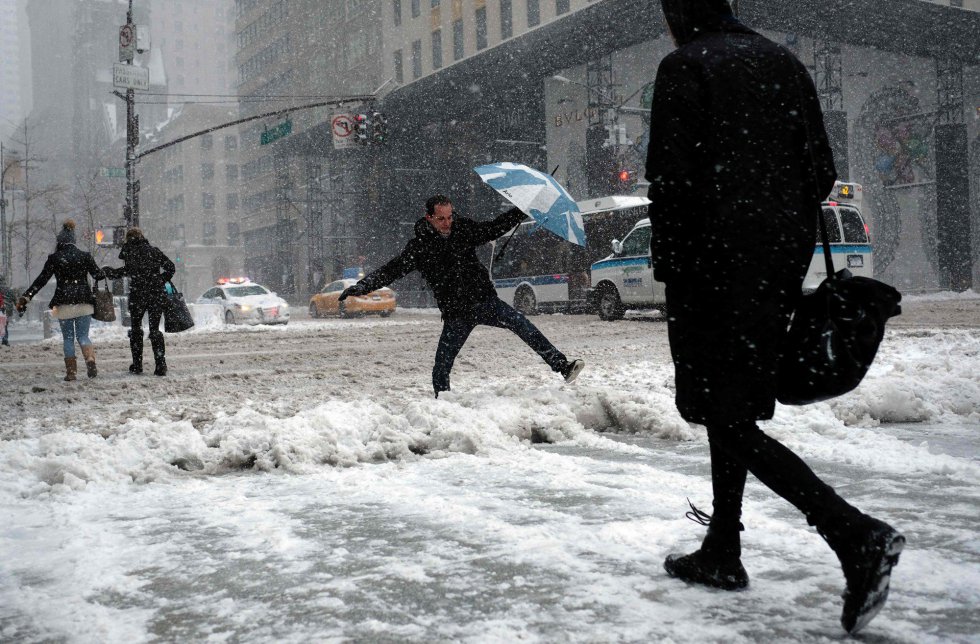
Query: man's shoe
x,y
695,568
136,368
868,569
160,369
572,370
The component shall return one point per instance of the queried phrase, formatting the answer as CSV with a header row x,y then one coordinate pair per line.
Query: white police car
x,y
245,302
624,280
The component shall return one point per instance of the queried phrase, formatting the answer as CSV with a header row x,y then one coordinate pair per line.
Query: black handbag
x,y
104,310
176,316
834,335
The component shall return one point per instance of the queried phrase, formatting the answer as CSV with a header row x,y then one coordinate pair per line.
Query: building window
x,y
437,49
417,59
416,8
481,28
533,13
207,142
457,39
208,231
562,6
234,234
506,19
231,201
231,142
397,11
435,3
207,200
207,171
231,172
399,67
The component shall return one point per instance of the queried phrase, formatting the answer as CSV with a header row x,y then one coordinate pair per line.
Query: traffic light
x,y
118,236
361,128
99,237
379,127
626,179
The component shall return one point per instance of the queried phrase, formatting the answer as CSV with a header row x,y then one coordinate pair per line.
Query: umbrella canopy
x,y
539,195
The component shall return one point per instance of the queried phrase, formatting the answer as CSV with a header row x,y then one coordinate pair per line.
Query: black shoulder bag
x,y
836,330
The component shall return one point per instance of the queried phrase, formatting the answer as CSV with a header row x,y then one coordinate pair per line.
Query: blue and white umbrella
x,y
539,195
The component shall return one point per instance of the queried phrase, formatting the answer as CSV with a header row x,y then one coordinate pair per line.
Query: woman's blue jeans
x,y
75,329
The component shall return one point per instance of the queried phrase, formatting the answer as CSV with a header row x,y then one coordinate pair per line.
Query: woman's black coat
x,y
71,267
449,264
148,270
738,164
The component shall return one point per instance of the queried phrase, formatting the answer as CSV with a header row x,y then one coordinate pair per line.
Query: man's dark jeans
x,y
493,313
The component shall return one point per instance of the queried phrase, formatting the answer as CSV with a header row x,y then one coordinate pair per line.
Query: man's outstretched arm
x,y
393,270
486,231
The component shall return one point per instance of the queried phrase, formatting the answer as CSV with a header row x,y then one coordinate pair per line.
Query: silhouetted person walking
x,y
738,165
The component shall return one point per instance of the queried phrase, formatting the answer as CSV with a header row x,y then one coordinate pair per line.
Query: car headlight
x,y
244,307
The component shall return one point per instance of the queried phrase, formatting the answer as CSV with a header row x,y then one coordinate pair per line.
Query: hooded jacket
x,y
449,264
738,164
148,270
71,267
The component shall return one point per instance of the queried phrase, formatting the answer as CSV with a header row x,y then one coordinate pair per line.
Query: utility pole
x,y
131,211
132,40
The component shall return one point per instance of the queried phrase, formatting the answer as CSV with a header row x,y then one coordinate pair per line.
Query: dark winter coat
x,y
148,270
449,264
738,163
71,268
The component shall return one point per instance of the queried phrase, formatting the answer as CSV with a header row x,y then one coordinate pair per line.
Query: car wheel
x,y
386,314
610,306
525,302
314,313
229,317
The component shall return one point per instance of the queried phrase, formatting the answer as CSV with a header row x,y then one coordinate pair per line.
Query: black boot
x,y
159,353
868,549
718,562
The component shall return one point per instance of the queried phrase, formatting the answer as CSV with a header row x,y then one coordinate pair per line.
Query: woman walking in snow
x,y
73,303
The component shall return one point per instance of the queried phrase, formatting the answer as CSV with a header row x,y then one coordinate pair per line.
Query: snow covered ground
x,y
300,484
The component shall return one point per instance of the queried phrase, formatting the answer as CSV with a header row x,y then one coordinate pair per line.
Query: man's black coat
x,y
148,270
449,264
71,267
738,164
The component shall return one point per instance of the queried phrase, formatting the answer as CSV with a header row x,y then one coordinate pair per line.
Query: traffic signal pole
x,y
131,213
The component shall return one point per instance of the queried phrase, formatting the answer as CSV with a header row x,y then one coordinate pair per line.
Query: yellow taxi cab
x,y
326,302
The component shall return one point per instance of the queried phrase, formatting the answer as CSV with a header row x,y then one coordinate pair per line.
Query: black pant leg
x,y
156,335
454,335
136,311
783,472
502,315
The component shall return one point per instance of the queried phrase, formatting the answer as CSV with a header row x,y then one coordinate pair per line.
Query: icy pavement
x,y
299,484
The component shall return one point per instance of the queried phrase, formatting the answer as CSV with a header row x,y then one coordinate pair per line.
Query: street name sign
x,y
276,132
130,76
114,173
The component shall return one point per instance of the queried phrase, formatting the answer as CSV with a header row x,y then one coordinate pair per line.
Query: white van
x,y
850,243
624,280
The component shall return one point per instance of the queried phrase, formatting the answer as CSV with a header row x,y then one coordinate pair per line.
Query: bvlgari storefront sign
x,y
567,117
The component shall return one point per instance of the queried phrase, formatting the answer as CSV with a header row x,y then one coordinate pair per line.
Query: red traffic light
x,y
624,175
99,236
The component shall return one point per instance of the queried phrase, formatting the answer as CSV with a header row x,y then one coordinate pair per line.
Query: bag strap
x,y
828,260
